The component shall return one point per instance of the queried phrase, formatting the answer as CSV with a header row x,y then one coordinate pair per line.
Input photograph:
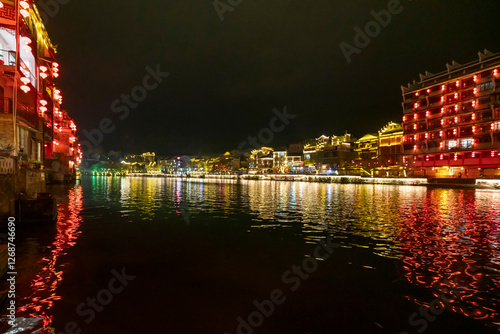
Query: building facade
x,y
390,151
35,131
451,120
329,154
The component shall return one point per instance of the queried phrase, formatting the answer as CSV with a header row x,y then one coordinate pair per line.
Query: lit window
x,y
452,144
466,143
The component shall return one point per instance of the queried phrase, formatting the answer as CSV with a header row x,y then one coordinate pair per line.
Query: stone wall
x,y
6,129
9,190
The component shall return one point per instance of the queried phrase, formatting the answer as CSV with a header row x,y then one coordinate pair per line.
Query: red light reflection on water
x,y
45,283
451,244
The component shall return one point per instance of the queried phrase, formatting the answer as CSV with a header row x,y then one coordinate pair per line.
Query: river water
x,y
164,255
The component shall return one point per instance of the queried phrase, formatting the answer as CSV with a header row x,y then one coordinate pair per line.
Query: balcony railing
x,y
28,114
23,111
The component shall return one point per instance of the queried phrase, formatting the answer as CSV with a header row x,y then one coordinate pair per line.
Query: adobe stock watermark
x,y
436,307
222,6
293,278
123,106
50,8
372,29
88,310
266,135
184,211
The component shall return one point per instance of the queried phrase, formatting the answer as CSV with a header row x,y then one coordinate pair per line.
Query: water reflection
x,y
442,238
34,315
449,240
439,238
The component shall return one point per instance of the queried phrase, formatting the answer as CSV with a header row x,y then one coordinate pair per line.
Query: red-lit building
x,y
34,130
451,120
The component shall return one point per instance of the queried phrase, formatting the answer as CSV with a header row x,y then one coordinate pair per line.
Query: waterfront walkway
x,y
343,179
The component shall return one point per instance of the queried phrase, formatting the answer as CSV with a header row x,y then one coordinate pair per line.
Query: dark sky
x,y
227,76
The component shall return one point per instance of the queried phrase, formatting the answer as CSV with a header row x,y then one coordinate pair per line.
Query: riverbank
x,y
341,179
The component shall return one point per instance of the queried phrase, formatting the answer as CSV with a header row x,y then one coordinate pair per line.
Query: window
x,y
486,86
466,143
452,144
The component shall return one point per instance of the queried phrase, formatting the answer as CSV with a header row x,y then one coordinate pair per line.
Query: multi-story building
x,y
328,154
143,163
284,163
367,151
33,127
452,120
390,151
261,160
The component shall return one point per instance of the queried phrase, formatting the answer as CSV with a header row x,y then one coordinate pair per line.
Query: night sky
x,y
227,76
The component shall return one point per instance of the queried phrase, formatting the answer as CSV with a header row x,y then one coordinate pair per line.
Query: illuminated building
x,y
145,163
390,151
452,120
284,163
327,154
261,160
32,123
366,149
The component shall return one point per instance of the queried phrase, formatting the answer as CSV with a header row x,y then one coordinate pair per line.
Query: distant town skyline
x,y
227,76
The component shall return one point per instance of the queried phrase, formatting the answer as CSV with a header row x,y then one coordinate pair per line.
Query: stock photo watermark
x,y
184,211
88,310
293,279
222,7
123,106
372,29
266,135
436,307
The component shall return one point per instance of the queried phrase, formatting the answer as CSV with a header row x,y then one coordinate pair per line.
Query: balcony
x,y
24,113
